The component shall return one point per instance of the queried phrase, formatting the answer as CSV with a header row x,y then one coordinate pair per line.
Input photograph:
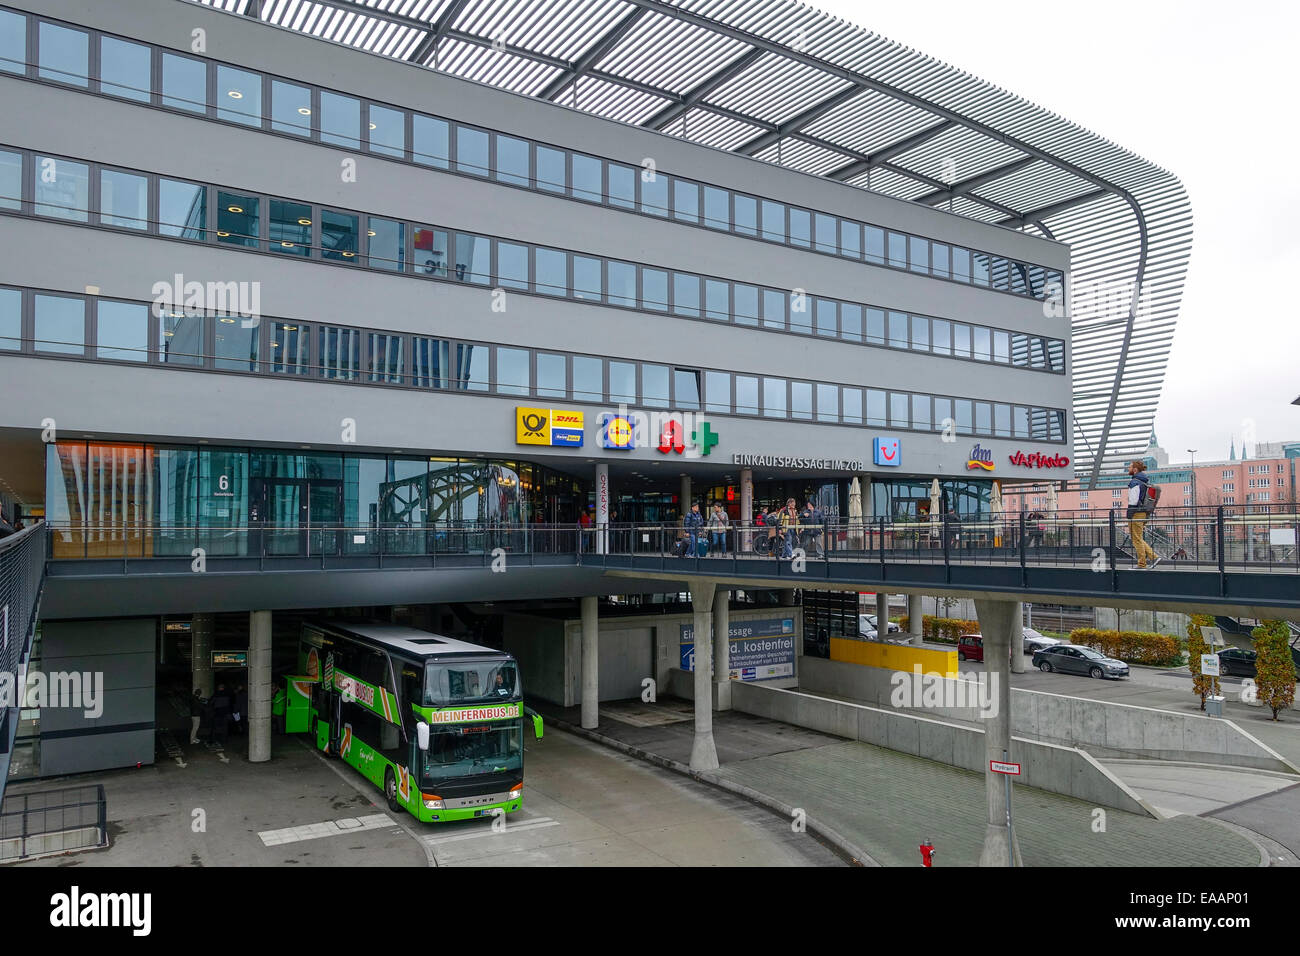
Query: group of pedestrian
x,y
224,713
696,525
787,527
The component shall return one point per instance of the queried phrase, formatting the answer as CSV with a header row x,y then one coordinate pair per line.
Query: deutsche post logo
x,y
548,426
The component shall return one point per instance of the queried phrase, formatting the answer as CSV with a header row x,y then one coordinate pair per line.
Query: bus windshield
x,y
470,682
467,749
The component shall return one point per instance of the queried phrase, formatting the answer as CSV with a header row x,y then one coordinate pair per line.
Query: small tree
x,y
1274,666
1202,684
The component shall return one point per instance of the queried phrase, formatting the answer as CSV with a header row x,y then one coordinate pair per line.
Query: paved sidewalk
x,y
886,803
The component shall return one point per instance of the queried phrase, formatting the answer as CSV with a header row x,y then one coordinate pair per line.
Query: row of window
x,y
100,63
91,193
98,328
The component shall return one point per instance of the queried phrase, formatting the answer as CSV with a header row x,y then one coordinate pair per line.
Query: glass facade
x,y
290,228
136,500
353,123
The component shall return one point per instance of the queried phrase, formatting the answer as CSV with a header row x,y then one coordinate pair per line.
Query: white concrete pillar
x,y
201,654
999,624
882,615
602,508
745,543
914,614
704,755
1018,642
722,646
260,690
590,664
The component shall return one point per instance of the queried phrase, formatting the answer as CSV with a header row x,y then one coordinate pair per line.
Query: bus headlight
x,y
431,801
516,791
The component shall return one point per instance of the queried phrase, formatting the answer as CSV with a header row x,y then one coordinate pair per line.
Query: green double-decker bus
x,y
436,723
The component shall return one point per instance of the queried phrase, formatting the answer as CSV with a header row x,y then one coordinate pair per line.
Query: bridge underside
x,y
78,589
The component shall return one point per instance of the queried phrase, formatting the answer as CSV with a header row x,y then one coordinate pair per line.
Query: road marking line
x,y
328,828
540,823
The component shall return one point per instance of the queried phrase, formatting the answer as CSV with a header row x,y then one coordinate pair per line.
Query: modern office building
x,y
304,279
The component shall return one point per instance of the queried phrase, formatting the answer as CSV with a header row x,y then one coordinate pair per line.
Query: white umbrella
x,y
935,516
855,513
995,512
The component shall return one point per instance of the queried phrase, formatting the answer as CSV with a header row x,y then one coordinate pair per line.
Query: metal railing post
x,y
1114,564
1024,574
1223,547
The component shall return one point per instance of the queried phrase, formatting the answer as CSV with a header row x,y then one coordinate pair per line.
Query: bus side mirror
x,y
537,726
422,734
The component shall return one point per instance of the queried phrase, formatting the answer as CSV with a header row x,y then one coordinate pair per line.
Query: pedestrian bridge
x,y
1215,561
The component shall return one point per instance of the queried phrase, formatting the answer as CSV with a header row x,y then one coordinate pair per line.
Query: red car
x,y
970,647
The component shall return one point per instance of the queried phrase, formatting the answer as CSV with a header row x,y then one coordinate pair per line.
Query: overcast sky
x,y
1190,87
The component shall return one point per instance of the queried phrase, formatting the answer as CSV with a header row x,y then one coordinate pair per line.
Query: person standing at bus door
x,y
240,716
221,703
198,704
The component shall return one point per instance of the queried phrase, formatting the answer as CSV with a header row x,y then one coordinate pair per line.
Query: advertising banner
x,y
761,649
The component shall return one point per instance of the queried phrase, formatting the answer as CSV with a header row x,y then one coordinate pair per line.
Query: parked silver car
x,y
1074,659
1036,642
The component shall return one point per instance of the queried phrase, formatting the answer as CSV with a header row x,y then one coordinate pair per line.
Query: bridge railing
x,y
22,573
1221,537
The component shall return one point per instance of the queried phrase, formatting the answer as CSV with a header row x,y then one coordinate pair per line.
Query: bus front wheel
x,y
390,790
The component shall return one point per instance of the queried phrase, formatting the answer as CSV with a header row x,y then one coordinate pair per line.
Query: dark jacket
x,y
221,702
241,703
197,705
1140,482
693,519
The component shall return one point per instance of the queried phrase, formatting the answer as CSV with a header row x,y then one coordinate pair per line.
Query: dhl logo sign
x,y
548,426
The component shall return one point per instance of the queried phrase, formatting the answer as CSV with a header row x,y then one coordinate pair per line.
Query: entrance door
x,y
300,516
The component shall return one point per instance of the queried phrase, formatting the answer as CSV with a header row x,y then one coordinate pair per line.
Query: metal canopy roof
x,y
788,84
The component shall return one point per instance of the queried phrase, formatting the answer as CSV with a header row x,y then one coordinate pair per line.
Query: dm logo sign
x,y
887,452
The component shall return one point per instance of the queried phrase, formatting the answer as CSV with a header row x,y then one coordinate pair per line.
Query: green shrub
x,y
1274,666
1132,647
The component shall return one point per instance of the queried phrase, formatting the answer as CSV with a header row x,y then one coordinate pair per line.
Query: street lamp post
x,y
1195,525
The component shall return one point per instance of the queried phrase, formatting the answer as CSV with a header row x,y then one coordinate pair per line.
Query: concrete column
x,y
914,614
259,686
201,654
746,509
1018,641
882,615
704,755
999,624
686,496
722,646
590,664
602,508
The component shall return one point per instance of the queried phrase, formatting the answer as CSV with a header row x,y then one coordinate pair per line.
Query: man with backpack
x,y
1142,498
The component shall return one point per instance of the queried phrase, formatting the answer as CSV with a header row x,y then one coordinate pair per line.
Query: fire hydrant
x,y
927,853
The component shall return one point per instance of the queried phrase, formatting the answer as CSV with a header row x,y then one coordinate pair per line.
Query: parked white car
x,y
1036,642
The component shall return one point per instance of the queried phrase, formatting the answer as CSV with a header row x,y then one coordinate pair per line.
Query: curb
x,y
857,856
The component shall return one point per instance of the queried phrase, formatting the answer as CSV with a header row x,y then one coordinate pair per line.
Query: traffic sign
x,y
998,766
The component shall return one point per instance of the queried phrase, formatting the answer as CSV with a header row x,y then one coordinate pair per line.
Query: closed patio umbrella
x,y
936,515
855,513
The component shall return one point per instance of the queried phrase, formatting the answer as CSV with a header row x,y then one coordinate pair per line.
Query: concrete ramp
x,y
1056,769
1105,729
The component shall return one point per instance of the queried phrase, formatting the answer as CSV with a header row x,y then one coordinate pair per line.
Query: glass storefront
x,y
133,500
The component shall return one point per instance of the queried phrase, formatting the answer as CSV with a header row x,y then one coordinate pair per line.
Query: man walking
x,y
1138,512
221,705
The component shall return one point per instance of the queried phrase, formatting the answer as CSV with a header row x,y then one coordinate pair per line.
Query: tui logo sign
x,y
887,452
